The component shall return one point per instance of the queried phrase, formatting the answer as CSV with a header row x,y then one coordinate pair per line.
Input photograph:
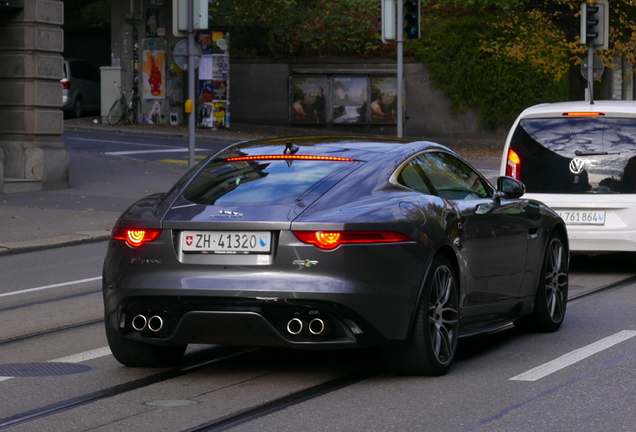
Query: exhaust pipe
x,y
139,322
295,326
316,326
155,323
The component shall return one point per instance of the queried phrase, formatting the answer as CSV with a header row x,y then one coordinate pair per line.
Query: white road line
x,y
574,356
131,152
84,356
118,142
51,286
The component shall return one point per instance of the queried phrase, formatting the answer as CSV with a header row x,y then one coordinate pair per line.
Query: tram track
x,y
48,332
58,407
198,363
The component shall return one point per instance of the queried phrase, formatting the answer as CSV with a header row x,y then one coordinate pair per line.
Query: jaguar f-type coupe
x,y
332,242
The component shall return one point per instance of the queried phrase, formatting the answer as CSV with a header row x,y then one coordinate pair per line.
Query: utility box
x,y
109,91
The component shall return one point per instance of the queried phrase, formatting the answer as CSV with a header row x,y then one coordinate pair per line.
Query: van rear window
x,y
577,155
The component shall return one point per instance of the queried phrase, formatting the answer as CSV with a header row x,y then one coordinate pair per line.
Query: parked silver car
x,y
80,88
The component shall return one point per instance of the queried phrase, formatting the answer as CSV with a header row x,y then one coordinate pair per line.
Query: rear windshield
x,y
259,182
577,155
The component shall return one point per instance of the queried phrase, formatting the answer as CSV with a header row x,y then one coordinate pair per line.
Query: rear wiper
x,y
593,153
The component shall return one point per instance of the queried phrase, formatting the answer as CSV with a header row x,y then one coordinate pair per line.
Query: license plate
x,y
227,242
582,217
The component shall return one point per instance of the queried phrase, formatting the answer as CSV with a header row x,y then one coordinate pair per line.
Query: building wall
x,y
31,66
259,89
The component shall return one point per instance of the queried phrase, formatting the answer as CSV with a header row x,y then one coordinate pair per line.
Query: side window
x,y
452,178
412,177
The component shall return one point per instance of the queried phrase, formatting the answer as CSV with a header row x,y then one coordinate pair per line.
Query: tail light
x,y
135,237
513,167
66,84
333,239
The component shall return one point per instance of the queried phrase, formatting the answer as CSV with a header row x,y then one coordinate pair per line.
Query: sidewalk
x,y
102,186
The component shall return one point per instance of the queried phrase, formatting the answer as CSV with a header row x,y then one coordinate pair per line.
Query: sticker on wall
x,y
152,22
154,75
154,116
174,118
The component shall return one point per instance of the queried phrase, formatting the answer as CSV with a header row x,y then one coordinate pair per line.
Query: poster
x,y
153,75
350,95
384,100
213,97
309,99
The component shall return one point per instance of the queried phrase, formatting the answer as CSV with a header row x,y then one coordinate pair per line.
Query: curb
x,y
16,248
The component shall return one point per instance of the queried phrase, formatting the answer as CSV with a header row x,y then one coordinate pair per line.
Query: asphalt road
x,y
578,379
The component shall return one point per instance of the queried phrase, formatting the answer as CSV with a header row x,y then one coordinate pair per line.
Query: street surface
x,y
57,374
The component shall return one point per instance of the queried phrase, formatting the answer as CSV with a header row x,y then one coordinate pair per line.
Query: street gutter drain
x,y
41,369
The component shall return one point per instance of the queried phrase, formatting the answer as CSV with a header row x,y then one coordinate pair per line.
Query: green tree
x,y
495,57
283,28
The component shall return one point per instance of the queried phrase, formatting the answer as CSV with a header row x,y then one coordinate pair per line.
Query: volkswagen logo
x,y
577,165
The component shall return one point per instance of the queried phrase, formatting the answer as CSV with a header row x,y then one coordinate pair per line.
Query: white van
x,y
580,159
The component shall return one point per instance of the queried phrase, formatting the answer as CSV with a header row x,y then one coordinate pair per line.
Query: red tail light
x,y
135,237
583,114
289,157
513,167
66,85
333,239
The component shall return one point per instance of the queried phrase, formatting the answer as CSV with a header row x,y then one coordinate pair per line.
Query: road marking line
x,y
51,286
132,152
574,356
117,142
84,356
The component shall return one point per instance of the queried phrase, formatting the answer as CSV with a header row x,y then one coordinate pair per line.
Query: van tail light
x,y
513,165
135,237
333,239
66,84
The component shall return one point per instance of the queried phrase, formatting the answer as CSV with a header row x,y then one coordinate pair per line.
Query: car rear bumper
x,y
617,233
169,320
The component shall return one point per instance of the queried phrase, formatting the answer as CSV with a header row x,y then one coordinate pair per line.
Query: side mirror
x,y
510,188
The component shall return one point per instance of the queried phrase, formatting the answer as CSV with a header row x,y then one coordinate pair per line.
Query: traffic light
x,y
595,24
387,20
412,19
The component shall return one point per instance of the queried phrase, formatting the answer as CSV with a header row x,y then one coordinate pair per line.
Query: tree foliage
x,y
284,28
86,14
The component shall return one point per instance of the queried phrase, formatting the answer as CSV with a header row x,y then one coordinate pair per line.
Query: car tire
x,y
138,354
431,347
77,108
552,291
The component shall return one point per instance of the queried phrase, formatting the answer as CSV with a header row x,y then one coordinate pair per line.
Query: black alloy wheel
x,y
433,342
552,292
77,108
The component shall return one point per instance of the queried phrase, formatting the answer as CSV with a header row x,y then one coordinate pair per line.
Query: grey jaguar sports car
x,y
332,242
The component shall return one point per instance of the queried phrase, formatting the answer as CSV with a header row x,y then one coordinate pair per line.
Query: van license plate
x,y
582,217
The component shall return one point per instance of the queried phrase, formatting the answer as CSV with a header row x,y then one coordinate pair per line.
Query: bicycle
x,y
125,110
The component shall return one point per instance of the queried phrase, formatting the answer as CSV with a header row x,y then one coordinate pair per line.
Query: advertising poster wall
x,y
214,81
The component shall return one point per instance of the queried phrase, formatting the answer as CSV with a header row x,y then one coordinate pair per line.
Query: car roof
x,y
611,108
359,147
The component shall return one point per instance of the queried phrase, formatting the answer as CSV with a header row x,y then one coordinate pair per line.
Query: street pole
x,y
400,65
590,73
191,94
